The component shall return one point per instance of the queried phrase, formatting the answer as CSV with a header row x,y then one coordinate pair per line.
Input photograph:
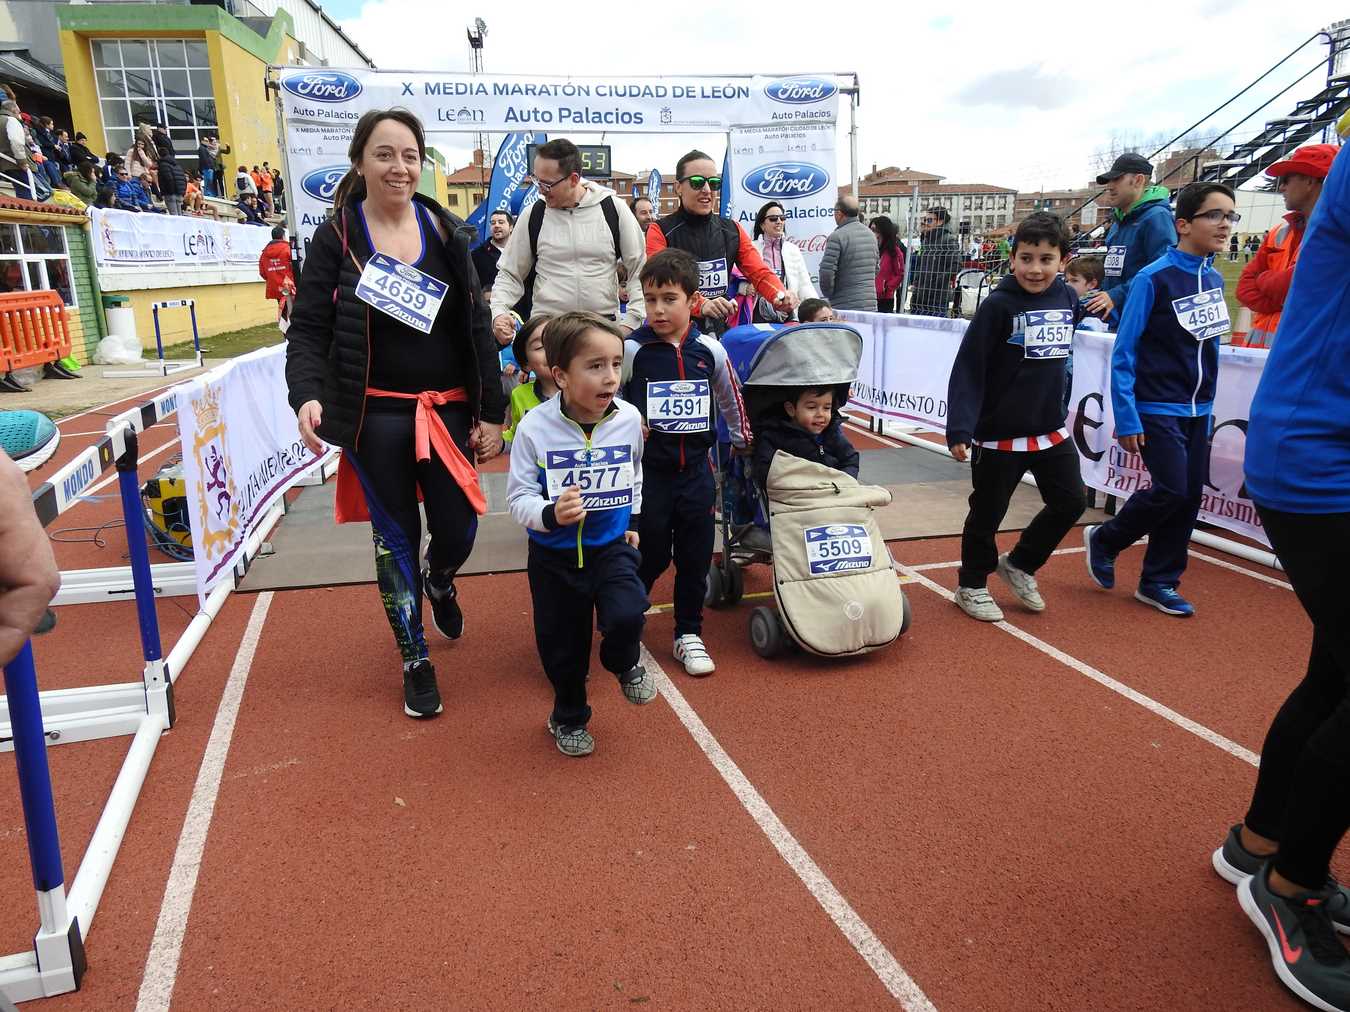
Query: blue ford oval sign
x,y
322,86
321,184
801,90
786,180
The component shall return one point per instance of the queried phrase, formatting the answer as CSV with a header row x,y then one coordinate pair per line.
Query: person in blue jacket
x,y
1141,229
1297,470
1164,369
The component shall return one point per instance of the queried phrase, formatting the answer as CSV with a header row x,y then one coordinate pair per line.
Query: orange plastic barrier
x,y
33,329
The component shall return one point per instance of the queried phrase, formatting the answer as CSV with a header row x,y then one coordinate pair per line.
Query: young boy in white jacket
x,y
576,487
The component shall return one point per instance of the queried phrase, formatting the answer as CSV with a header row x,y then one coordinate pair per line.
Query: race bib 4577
x,y
604,474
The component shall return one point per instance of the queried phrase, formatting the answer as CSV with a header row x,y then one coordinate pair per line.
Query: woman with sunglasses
x,y
782,256
717,244
389,356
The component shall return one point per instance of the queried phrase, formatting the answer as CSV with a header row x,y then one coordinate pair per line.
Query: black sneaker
x,y
1307,956
1234,863
421,697
445,613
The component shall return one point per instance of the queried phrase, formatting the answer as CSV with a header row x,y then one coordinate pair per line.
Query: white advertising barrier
x,y
792,163
241,452
496,103
130,239
907,361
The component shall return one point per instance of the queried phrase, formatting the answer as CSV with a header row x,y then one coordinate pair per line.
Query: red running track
x,y
997,826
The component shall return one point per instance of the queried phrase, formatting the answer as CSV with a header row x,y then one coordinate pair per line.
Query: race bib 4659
x,y
401,291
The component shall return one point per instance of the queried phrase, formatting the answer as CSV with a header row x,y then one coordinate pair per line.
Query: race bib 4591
x,y
678,405
604,474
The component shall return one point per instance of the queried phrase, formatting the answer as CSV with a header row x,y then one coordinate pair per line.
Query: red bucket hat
x,y
1310,160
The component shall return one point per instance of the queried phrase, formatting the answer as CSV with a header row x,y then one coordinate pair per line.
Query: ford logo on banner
x,y
321,184
786,180
801,90
323,86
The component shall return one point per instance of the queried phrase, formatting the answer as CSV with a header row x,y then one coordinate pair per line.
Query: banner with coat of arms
x,y
241,451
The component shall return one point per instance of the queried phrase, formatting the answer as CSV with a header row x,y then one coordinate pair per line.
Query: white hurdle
x,y
165,368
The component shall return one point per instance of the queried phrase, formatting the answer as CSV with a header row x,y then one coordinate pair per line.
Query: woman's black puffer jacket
x,y
328,343
172,178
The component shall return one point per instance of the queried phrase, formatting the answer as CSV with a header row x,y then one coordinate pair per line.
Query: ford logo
x,y
1053,316
323,86
321,184
597,455
786,180
837,529
409,273
800,90
682,387
1202,298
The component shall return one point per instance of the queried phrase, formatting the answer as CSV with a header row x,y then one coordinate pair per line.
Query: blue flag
x,y
523,198
725,210
654,191
509,170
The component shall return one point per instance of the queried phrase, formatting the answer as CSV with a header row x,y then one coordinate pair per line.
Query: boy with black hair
x,y
810,427
576,487
815,311
1164,369
1006,413
675,376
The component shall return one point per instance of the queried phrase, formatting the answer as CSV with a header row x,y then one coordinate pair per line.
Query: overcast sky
x,y
1014,94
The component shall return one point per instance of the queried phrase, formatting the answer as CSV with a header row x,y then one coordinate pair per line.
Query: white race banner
x,y
497,103
316,158
792,163
907,361
131,239
241,452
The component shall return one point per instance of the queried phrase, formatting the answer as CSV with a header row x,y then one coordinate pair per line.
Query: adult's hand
x,y
29,578
310,417
961,452
788,304
1132,444
487,441
503,329
1100,304
717,308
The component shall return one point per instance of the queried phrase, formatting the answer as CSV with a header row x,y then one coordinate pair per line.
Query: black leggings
x,y
391,478
1302,796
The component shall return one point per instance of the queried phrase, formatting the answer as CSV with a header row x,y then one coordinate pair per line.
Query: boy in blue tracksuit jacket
x,y
1142,230
576,487
1164,369
676,377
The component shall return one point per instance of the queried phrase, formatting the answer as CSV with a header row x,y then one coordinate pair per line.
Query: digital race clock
x,y
595,162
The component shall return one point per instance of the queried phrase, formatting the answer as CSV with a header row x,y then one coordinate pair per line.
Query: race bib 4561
x,y
1204,314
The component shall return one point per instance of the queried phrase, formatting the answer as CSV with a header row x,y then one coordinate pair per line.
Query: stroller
x,y
834,586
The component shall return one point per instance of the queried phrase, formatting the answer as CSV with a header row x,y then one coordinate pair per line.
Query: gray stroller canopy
x,y
807,354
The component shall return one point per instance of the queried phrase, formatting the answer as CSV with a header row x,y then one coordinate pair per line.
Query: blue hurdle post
x,y
196,342
156,675
159,344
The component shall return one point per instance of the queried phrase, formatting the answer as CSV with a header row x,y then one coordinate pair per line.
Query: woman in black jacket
x,y
407,400
172,178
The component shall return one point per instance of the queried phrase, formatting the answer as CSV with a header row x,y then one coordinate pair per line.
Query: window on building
x,y
454,199
35,258
164,81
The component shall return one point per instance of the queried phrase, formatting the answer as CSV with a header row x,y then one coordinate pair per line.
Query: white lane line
x,y
1087,670
1221,563
161,966
891,974
138,398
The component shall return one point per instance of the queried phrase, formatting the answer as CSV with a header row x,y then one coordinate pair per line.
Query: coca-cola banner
x,y
792,163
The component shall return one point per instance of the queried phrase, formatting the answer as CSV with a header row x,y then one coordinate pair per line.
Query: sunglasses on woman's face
x,y
698,182
773,217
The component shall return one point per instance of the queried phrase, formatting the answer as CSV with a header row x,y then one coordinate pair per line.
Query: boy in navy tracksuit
x,y
576,486
1006,400
676,377
1164,369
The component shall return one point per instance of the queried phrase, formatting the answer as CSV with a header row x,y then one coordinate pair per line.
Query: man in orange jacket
x,y
1265,281
274,267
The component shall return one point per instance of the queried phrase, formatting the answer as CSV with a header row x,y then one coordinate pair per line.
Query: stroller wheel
x,y
734,582
906,615
714,594
767,635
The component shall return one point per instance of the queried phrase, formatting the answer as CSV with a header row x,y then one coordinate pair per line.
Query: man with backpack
x,y
564,255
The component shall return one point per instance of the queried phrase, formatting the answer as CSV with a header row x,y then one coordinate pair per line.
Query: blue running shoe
x,y
29,437
1165,599
1101,567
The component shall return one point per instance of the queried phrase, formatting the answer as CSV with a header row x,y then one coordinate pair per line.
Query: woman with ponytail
x,y
390,357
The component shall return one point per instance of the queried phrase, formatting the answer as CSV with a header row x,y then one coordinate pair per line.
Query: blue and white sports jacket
x,y
1166,356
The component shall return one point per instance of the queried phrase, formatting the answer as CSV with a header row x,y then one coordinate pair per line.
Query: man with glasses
x,y
564,257
716,243
131,195
1265,280
1141,230
935,264
848,270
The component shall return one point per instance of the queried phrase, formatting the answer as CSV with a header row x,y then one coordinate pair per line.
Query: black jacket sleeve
x,y
840,449
766,445
965,389
310,337
493,402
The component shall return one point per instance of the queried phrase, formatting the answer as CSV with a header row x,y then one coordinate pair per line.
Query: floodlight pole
x,y
477,34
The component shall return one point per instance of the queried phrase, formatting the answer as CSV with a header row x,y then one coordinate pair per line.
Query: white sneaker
x,y
690,651
1023,584
976,602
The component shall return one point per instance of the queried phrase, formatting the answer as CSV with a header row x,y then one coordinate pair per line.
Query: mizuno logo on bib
x,y
678,405
1114,265
604,474
1204,315
714,277
401,291
1044,333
